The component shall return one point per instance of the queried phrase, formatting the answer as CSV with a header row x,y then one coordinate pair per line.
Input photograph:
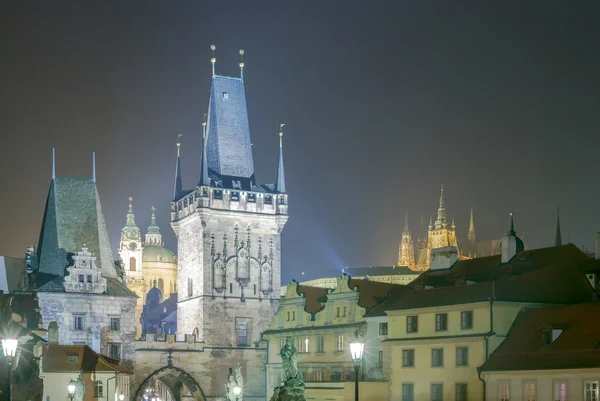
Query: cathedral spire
x,y
242,65
280,186
558,240
406,223
441,219
471,234
178,186
153,235
204,180
93,166
130,232
53,164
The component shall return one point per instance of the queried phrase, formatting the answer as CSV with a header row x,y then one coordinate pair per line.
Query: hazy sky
x,y
383,102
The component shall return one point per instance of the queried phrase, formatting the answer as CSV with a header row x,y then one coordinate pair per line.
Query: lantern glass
x,y
9,347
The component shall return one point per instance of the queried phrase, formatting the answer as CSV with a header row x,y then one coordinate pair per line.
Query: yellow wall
x,y
371,391
544,381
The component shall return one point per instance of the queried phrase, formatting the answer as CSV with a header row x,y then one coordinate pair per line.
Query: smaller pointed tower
x,y
471,235
204,180
177,191
153,235
280,186
558,238
511,244
130,247
407,251
441,219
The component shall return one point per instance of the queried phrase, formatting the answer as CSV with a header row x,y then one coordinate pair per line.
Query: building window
x,y
591,391
408,392
225,95
411,324
437,357
114,351
344,315
383,329
115,324
441,322
560,391
546,337
300,345
462,356
437,392
89,278
287,318
231,288
461,392
335,376
408,358
529,390
190,287
78,322
98,389
466,320
81,278
337,312
380,359
339,344
320,344
503,390
293,315
161,285
281,343
132,264
254,289
318,375
242,333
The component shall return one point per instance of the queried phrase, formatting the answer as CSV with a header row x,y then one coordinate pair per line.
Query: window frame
x,y
525,390
411,395
438,322
339,343
410,328
320,348
383,328
464,392
118,348
504,384
77,316
117,326
469,320
380,359
98,389
408,354
585,390
439,357
556,382
441,397
463,356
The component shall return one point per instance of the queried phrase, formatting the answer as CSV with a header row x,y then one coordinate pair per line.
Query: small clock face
x,y
133,246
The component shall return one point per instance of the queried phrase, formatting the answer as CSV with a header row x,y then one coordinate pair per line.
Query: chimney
x,y
598,246
443,258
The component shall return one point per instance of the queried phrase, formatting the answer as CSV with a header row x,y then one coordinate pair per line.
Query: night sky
x,y
383,102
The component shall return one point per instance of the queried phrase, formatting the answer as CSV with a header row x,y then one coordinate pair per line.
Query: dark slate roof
x,y
379,271
73,218
229,148
315,298
575,348
550,275
78,358
114,287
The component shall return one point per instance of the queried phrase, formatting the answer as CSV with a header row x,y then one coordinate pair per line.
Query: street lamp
x,y
356,349
9,348
121,397
71,389
237,390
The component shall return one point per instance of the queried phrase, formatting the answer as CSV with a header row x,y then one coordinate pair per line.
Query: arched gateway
x,y
176,380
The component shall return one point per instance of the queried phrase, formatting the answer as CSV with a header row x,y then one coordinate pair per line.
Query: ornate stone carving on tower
x,y
440,234
406,255
228,230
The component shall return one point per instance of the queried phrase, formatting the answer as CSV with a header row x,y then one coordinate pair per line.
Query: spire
x,y
204,180
130,215
471,235
558,240
512,225
53,164
153,235
130,232
406,223
93,166
178,185
213,60
280,186
441,219
241,65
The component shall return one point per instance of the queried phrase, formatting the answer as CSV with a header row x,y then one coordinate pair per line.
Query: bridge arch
x,y
170,374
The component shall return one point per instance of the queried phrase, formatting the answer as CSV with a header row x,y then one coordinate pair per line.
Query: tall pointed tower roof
x,y
73,219
204,179
229,151
406,223
131,231
558,238
178,189
441,219
280,185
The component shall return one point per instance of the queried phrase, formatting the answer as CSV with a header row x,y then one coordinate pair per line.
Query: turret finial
x,y
178,186
281,135
558,239
213,59
93,166
242,64
53,163
204,180
130,204
512,224
153,209
280,186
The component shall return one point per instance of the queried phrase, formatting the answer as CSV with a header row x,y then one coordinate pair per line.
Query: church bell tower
x,y
228,229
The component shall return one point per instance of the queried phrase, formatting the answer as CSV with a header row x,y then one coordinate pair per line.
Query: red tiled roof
x,y
372,293
576,347
314,297
76,358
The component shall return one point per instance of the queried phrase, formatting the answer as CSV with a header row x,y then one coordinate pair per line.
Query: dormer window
x,y
550,333
225,95
546,337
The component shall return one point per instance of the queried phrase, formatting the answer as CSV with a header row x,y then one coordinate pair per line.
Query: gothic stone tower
x,y
406,255
228,230
440,234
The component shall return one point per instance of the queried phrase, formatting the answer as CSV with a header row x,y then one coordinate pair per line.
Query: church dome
x,y
156,253
154,296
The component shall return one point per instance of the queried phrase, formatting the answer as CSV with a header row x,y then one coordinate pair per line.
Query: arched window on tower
x,y
161,285
132,264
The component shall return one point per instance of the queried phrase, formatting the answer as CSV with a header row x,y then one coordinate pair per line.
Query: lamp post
x,y
9,348
71,389
237,390
121,397
356,349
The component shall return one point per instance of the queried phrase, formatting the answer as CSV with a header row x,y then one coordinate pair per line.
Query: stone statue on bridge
x,y
293,387
235,385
